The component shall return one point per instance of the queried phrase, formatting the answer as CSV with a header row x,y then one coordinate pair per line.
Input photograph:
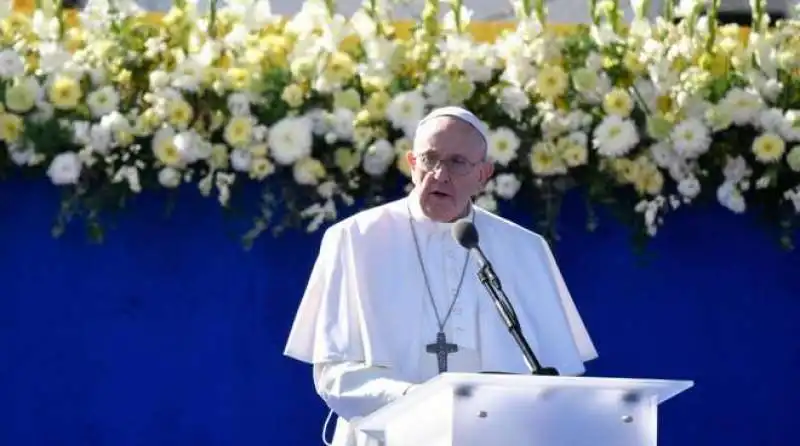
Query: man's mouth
x,y
440,194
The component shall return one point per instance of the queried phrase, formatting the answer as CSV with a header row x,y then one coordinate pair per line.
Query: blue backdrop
x,y
171,334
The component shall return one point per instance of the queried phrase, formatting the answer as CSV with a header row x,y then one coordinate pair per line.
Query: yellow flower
x,y
303,67
348,99
340,67
11,127
219,156
165,150
377,104
551,82
346,159
238,79
664,104
239,131
585,80
793,159
618,102
658,127
545,160
65,92
179,113
258,150
633,64
293,95
20,98
574,155
768,148
460,89
261,168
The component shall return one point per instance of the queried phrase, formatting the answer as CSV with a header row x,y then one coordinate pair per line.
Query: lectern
x,y
465,409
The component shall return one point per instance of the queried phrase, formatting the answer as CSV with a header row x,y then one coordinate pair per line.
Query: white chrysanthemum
x,y
690,138
11,64
378,157
790,126
239,104
65,169
744,105
514,101
771,120
102,101
663,155
689,187
406,110
487,202
290,140
241,160
730,197
503,146
735,169
506,185
793,158
615,137
169,177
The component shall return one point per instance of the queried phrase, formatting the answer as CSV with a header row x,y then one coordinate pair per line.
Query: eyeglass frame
x,y
446,162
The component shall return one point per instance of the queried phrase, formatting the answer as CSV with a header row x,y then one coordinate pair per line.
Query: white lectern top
x,y
465,409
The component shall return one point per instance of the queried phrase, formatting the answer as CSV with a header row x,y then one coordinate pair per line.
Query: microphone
x,y
465,233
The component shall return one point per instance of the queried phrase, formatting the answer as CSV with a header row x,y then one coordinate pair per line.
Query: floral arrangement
x,y
318,109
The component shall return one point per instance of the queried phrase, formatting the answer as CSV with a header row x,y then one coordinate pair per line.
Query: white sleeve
x,y
352,389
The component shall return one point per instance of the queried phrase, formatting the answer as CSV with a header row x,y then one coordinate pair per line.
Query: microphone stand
x,y
492,284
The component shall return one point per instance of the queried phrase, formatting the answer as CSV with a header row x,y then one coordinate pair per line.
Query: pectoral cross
x,y
441,348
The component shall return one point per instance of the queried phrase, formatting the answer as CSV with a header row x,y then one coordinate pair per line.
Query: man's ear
x,y
486,172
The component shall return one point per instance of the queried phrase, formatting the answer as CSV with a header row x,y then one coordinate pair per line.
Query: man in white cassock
x,y
390,281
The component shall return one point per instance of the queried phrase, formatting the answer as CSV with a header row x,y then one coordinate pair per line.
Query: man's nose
x,y
440,173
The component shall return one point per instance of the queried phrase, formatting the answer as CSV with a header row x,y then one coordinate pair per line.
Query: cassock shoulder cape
x,y
364,302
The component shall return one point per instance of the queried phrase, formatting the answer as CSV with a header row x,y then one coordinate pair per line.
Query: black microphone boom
x,y
465,233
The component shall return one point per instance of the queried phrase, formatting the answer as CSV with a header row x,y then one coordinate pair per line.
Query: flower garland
x,y
318,109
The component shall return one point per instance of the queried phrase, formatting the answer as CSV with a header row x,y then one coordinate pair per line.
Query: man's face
x,y
448,167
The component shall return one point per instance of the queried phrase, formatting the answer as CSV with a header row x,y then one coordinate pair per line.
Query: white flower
x,y
790,126
503,146
793,158
169,177
663,155
102,101
735,169
378,158
241,160
11,64
689,187
506,185
290,140
743,105
729,196
486,201
65,169
615,136
691,138
406,110
514,101
239,104
771,120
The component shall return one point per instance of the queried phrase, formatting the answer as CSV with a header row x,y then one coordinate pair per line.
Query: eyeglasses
x,y
456,165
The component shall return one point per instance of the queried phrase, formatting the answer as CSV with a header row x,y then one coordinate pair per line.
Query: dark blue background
x,y
171,334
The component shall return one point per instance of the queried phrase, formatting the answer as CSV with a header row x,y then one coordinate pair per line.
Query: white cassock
x,y
366,318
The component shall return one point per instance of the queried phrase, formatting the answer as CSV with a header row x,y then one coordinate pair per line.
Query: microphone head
x,y
465,233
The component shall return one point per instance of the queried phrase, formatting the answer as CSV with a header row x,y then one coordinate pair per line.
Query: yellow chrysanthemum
x,y
261,168
20,98
618,102
768,147
239,131
239,79
348,99
179,113
293,95
346,159
65,92
551,82
11,127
